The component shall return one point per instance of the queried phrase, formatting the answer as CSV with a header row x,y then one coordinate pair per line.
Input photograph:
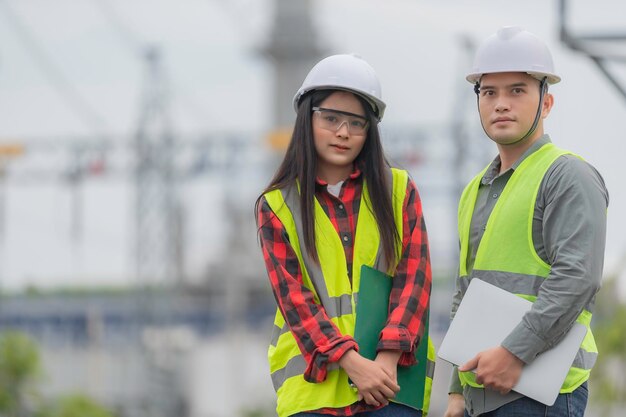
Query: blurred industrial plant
x,y
183,341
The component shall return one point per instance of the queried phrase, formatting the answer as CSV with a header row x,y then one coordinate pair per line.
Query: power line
x,y
71,96
128,37
139,48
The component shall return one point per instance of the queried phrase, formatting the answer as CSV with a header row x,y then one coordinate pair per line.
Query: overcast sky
x,y
74,69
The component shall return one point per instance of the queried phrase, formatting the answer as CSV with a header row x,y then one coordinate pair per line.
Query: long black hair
x,y
300,163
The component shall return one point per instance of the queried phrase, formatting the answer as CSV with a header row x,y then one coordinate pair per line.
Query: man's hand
x,y
496,369
374,382
456,405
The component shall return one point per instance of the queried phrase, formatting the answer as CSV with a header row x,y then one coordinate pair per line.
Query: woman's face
x,y
339,131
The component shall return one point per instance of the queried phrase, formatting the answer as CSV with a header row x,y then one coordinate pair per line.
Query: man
x,y
530,186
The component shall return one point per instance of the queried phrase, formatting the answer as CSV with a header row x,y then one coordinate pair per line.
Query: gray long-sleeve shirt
x,y
569,230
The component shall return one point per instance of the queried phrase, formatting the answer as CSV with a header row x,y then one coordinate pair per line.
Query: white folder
x,y
485,317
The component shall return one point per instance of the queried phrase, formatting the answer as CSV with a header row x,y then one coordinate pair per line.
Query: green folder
x,y
371,311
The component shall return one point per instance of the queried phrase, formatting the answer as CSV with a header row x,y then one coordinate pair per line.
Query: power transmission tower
x,y
157,211
158,234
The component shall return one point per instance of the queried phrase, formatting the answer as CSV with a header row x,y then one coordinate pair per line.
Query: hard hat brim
x,y
551,78
377,106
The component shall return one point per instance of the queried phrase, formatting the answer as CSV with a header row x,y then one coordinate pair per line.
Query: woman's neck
x,y
334,175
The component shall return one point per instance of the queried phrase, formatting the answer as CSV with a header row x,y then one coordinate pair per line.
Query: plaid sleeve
x,y
410,294
318,338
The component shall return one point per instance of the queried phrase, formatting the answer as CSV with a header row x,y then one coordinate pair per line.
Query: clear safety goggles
x,y
332,120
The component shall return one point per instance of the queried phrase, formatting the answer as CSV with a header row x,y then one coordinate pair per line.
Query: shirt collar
x,y
494,168
355,174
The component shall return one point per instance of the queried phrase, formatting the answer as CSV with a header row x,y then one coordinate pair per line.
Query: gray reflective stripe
x,y
430,369
341,304
512,282
276,332
295,366
334,306
381,263
585,360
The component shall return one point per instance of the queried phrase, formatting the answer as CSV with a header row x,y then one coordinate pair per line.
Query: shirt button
x,y
345,238
495,195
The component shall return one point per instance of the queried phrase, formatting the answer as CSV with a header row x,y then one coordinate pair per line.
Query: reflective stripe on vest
x,y
337,296
510,226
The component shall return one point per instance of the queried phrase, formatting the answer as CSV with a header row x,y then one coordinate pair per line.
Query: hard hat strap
x,y
543,86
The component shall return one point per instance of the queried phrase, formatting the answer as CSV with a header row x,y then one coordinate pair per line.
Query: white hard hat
x,y
344,72
513,49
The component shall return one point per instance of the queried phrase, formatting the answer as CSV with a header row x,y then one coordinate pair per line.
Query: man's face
x,y
508,104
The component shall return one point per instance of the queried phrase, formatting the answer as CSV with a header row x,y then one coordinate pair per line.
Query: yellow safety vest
x,y
506,255
335,294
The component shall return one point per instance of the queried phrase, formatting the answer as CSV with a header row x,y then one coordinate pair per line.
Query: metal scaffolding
x,y
604,48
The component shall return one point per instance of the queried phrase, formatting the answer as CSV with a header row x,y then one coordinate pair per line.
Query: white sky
x,y
221,84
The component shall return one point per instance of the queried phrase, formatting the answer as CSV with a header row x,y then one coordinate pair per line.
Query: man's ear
x,y
548,102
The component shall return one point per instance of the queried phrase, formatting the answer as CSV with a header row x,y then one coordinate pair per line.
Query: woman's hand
x,y
375,382
389,360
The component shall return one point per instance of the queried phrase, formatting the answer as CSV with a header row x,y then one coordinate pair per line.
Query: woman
x,y
333,206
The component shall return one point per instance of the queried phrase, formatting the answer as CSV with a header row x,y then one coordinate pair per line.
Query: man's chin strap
x,y
543,87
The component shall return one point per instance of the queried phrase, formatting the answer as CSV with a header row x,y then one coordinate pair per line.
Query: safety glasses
x,y
332,120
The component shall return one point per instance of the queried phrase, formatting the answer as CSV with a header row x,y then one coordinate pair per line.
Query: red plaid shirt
x,y
319,339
